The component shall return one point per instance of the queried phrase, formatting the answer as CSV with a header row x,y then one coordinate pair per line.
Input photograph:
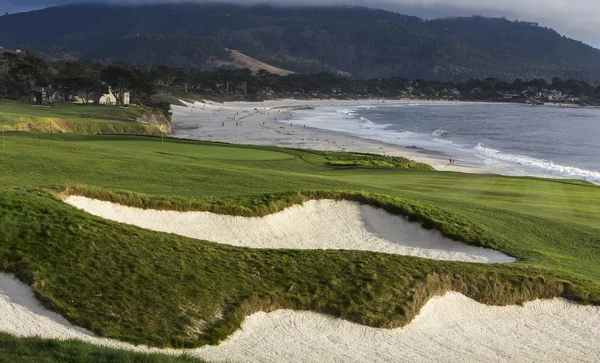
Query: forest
x,y
352,41
157,86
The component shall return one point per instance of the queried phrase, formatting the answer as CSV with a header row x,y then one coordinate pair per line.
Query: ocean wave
x,y
540,164
346,112
440,133
368,124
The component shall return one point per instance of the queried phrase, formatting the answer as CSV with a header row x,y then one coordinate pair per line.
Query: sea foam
x,y
540,164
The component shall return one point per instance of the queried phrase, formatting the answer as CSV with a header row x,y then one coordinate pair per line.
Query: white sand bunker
x,y
452,328
322,224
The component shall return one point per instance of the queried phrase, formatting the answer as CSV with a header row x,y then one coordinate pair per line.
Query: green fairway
x,y
154,288
182,149
91,119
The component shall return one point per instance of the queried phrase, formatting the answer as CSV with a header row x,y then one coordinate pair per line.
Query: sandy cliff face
x,y
156,118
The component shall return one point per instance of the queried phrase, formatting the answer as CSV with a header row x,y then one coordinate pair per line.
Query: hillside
x,y
240,60
365,43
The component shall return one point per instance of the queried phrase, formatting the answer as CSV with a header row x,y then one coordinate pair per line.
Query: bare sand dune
x,y
452,328
323,224
240,60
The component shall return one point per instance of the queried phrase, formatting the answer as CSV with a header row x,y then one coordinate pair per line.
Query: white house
x,y
108,99
123,98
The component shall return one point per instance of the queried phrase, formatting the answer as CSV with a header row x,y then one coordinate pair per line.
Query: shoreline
x,y
265,124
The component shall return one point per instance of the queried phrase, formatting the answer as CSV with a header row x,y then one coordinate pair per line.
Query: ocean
x,y
511,139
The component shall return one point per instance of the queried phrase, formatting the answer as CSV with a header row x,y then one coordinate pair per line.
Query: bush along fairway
x,y
164,290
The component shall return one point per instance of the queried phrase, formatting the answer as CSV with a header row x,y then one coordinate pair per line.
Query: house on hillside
x,y
108,99
56,96
80,97
556,96
112,98
40,95
476,91
123,98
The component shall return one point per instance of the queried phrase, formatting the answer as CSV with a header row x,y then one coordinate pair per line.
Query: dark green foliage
x,y
173,51
87,78
363,42
21,74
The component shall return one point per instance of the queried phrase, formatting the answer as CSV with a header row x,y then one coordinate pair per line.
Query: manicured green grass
x,y
15,350
140,286
355,159
175,99
90,119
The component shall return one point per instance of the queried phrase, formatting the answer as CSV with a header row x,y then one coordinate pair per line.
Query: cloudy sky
x,y
575,18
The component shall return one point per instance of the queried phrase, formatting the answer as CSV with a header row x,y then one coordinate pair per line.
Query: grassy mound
x,y
370,160
140,286
85,119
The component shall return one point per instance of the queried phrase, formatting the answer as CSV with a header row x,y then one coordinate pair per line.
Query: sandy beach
x,y
265,123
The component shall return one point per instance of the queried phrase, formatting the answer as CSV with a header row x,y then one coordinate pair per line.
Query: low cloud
x,y
575,18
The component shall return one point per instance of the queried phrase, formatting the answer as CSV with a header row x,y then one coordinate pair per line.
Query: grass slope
x,y
140,286
89,119
15,350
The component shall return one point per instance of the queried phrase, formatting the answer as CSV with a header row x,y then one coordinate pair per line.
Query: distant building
x,y
80,97
108,99
56,96
123,98
40,95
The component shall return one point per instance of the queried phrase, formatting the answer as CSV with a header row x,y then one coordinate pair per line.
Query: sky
x,y
576,19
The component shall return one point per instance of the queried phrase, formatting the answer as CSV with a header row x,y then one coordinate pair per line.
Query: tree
x,y
117,76
558,83
24,73
124,79
85,84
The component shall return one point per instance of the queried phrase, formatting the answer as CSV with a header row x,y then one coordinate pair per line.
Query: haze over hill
x,y
358,41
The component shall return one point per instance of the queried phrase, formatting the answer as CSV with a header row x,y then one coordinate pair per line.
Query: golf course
x,y
127,281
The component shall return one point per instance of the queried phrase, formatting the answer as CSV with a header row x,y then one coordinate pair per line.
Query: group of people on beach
x,y
451,162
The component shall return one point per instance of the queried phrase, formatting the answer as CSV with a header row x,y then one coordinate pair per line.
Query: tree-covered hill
x,y
365,43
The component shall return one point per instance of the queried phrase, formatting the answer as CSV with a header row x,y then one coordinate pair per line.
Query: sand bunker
x,y
452,328
323,224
